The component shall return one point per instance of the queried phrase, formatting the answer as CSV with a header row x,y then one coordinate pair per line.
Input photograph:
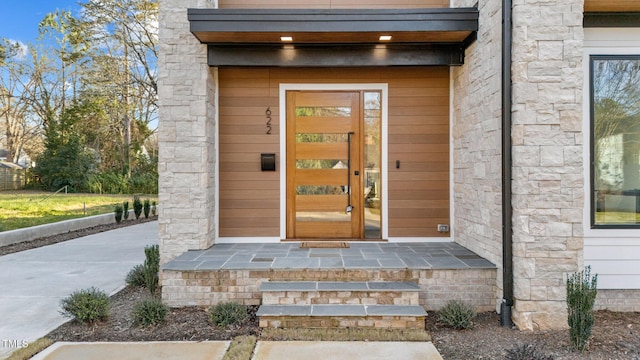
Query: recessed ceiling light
x,y
385,37
286,38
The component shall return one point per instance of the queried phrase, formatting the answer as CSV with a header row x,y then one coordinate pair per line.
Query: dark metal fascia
x,y
611,19
332,20
335,55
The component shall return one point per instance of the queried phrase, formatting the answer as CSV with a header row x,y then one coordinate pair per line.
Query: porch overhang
x,y
335,37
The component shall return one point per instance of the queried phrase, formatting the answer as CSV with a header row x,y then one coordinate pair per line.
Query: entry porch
x,y
442,271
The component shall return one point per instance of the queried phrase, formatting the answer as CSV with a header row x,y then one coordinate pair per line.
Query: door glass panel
x,y
323,216
320,190
372,162
323,111
321,164
321,138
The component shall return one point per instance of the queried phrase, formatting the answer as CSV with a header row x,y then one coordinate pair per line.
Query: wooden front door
x,y
324,165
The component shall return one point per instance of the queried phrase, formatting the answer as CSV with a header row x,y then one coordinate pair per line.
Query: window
x,y
615,141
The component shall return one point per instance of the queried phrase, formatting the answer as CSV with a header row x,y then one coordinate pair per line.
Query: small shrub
x,y
149,312
457,315
136,276
581,296
227,313
151,267
154,208
125,205
86,306
527,352
118,213
137,206
147,208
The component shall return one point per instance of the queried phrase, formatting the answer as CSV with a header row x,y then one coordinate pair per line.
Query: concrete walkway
x,y
33,282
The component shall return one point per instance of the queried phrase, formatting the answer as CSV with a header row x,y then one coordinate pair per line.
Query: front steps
x,y
330,304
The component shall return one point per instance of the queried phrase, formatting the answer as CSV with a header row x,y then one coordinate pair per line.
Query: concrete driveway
x,y
33,282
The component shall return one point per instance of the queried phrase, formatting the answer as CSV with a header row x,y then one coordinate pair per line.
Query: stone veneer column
x,y
186,94
477,141
548,178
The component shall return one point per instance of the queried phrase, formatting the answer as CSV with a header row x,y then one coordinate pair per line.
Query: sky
x,y
19,19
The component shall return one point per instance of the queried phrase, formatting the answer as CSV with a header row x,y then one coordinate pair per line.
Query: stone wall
x,y
618,300
186,134
477,141
205,288
548,177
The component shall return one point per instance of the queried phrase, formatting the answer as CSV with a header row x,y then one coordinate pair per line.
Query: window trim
x,y
592,187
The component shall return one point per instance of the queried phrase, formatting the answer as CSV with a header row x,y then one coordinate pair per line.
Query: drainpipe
x,y
507,211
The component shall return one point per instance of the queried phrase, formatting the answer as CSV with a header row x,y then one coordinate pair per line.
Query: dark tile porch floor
x,y
430,255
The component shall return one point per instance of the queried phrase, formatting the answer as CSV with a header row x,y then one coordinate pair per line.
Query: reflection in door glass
x,y
327,111
321,138
372,162
321,164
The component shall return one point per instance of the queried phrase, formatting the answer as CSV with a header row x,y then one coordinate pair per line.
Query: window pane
x,y
321,138
321,164
616,140
326,111
320,190
372,161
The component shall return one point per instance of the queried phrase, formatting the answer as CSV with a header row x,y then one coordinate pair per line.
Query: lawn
x,y
20,209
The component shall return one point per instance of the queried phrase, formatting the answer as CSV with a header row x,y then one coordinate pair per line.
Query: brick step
x,y
342,316
333,292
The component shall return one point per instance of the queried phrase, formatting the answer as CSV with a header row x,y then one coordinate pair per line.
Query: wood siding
x,y
611,5
331,4
418,137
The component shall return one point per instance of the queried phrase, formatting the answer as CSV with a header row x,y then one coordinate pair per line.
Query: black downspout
x,y
507,211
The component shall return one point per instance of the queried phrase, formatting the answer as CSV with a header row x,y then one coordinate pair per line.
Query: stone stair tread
x,y
338,286
341,310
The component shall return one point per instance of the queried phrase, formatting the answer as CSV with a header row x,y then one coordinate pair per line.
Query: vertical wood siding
x,y
332,4
418,138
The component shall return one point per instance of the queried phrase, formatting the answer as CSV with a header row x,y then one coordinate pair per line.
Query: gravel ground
x,y
616,336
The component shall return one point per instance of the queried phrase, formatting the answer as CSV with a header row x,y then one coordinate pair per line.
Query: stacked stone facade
x,y
548,174
476,129
186,134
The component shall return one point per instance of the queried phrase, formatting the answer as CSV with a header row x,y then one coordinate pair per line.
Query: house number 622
x,y
268,113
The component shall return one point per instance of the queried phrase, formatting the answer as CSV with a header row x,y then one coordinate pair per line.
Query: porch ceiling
x,y
333,26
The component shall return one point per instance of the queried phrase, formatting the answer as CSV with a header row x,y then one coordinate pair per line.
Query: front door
x,y
325,195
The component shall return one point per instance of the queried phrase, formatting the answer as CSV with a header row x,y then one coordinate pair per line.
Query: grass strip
x,y
32,349
347,334
241,348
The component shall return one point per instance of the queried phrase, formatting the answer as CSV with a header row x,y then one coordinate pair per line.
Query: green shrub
x,y
86,306
527,352
149,312
457,315
136,276
147,208
118,213
137,206
581,296
108,182
125,206
151,267
227,313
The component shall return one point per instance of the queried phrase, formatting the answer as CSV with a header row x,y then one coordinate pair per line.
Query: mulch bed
x,y
181,324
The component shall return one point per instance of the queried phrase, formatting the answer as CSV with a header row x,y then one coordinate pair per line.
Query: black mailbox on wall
x,y
268,162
